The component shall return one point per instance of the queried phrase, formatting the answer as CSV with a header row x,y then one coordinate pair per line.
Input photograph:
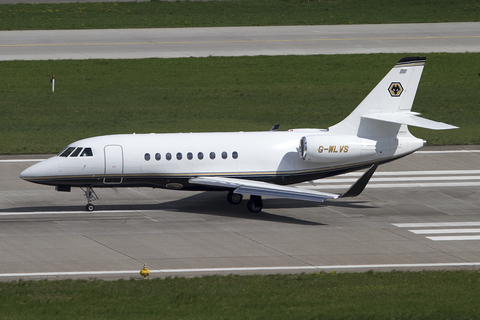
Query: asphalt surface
x,y
238,41
420,212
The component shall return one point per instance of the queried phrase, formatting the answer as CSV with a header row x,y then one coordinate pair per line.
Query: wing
x,y
259,188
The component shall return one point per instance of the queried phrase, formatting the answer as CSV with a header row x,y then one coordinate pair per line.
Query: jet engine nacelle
x,y
328,148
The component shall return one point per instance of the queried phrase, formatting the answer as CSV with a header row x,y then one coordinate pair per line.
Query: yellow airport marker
x,y
145,272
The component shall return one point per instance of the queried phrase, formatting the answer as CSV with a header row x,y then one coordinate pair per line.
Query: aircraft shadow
x,y
206,203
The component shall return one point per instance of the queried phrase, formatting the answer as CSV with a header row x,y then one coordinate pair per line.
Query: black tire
x,y
234,198
252,208
90,207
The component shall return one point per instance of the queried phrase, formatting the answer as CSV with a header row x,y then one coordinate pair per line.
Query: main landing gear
x,y
254,205
234,198
91,196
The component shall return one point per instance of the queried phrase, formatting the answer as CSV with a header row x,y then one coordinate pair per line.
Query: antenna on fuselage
x,y
275,127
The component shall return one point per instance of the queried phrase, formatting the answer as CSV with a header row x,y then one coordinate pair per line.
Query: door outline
x,y
113,164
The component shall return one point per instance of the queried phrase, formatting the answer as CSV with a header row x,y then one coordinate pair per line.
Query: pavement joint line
x,y
208,270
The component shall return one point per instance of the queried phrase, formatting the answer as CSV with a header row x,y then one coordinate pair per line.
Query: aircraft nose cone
x,y
46,168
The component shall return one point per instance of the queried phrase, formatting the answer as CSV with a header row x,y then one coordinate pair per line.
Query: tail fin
x,y
390,102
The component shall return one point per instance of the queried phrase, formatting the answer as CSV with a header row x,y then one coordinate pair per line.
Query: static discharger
x,y
145,272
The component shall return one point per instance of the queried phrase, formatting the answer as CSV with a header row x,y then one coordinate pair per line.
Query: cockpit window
x,y
87,152
66,152
76,152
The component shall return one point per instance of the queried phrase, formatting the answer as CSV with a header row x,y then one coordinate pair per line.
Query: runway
x,y
420,212
239,41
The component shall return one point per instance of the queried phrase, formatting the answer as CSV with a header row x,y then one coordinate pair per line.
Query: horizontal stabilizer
x,y
410,119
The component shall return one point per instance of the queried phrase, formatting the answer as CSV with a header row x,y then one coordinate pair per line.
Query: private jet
x,y
257,164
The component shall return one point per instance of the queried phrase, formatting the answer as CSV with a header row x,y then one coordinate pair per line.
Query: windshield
x,y
80,151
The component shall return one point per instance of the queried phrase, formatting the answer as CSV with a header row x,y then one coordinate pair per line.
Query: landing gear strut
x,y
255,204
91,196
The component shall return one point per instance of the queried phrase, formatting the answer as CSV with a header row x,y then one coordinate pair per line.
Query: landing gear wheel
x,y
234,198
255,204
91,196
252,207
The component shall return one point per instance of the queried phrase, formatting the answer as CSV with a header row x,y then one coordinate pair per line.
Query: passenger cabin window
x,y
200,155
168,156
179,156
158,156
234,154
212,155
224,155
189,156
147,156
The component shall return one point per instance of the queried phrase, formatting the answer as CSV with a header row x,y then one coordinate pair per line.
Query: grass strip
x,y
370,295
177,14
96,97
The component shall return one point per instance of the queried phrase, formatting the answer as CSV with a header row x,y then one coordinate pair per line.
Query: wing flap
x,y
259,188
409,118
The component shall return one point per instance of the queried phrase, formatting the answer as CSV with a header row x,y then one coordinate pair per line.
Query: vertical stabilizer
x,y
393,95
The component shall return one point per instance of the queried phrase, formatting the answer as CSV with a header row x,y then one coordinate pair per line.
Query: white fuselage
x,y
169,160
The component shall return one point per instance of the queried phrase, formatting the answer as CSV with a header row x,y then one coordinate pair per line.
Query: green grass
x,y
391,295
95,97
157,14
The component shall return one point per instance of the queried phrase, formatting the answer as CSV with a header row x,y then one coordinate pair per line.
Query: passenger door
x,y
113,164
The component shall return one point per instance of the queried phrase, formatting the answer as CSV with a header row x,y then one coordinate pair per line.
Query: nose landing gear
x,y
91,196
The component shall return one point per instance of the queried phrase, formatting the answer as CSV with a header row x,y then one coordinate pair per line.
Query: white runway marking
x,y
372,185
448,151
240,270
326,181
444,231
438,224
454,238
20,213
22,160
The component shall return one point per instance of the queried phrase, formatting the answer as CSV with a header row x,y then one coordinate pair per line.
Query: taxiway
x,y
420,212
239,41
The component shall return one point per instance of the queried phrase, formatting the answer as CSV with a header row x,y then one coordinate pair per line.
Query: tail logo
x,y
395,89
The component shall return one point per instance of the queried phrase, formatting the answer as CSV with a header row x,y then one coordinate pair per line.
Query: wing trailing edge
x,y
259,188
